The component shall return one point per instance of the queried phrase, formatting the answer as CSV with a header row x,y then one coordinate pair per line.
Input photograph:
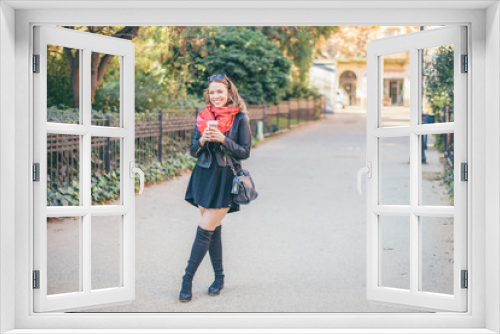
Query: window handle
x,y
135,170
368,171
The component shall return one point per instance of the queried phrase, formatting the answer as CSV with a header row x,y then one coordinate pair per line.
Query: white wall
x,y
324,80
480,105
492,147
7,160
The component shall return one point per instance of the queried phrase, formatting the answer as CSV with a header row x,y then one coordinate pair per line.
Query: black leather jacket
x,y
238,142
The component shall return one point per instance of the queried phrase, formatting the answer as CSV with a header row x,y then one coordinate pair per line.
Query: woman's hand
x,y
206,136
216,135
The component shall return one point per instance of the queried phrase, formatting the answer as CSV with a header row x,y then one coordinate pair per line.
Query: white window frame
x,y
124,50
483,213
414,211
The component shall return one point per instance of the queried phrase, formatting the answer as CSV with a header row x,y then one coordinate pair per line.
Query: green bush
x,y
106,187
155,91
439,80
252,61
67,115
299,90
64,196
448,180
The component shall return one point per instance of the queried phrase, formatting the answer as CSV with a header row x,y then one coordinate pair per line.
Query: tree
x,y
159,69
438,79
351,41
252,61
99,63
300,44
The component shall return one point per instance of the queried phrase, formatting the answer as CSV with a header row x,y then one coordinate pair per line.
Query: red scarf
x,y
225,116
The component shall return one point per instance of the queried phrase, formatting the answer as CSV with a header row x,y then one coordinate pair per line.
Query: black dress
x,y
211,187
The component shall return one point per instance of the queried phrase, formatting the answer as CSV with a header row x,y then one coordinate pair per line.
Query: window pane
x,y
106,252
395,89
437,84
437,254
395,170
63,85
437,169
105,89
63,255
63,168
105,186
395,251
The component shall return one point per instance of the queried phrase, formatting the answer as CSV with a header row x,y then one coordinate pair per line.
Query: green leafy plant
x,y
64,196
105,187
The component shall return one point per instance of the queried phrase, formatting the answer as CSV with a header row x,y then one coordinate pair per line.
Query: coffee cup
x,y
212,123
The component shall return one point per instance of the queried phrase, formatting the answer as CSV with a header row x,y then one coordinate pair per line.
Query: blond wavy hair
x,y
233,97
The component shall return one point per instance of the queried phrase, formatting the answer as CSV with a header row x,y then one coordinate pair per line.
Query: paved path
x,y
301,246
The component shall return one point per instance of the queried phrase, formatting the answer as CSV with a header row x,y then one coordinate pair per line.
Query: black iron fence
x,y
162,135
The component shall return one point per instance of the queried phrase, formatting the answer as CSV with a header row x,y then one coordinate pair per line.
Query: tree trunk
x,y
75,79
74,63
98,64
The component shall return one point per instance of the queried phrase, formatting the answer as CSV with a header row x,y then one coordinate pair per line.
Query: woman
x,y
210,184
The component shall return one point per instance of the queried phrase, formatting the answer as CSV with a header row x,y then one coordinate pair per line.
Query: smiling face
x,y
217,93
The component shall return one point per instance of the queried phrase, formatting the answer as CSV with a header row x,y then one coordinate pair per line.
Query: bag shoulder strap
x,y
230,159
229,153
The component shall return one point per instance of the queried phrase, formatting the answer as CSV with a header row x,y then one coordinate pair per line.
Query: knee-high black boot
x,y
200,248
215,251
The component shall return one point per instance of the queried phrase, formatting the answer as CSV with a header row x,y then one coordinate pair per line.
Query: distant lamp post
x,y
260,130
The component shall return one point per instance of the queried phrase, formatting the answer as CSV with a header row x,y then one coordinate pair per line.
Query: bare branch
x,y
128,32
105,60
99,65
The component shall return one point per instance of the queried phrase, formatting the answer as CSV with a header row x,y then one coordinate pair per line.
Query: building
x,y
322,76
349,68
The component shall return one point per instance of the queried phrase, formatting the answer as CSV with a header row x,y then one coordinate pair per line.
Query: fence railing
x,y
286,115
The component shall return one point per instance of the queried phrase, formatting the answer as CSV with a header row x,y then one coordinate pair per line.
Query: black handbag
x,y
243,187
